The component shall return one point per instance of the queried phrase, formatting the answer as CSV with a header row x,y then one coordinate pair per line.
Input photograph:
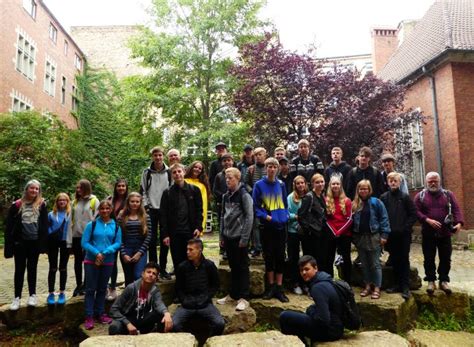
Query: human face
x,y
227,163
318,185
32,191
248,154
303,150
272,171
279,154
193,252
178,175
149,275
336,188
62,203
260,157
158,158
79,190
393,183
134,203
433,183
220,150
388,165
104,212
336,155
121,188
363,192
197,170
363,160
300,186
308,271
173,157
284,168
231,181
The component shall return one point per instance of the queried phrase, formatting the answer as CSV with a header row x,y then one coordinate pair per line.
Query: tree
x,y
290,96
189,57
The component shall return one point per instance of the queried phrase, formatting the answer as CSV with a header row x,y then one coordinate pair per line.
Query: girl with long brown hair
x,y
196,175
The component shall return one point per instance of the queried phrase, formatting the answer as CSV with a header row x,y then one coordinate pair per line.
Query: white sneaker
x,y
297,290
32,300
224,300
15,305
242,304
111,294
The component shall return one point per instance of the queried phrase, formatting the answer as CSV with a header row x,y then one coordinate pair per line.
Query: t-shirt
x,y
143,303
29,221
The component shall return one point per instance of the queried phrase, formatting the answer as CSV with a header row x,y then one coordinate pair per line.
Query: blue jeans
x,y
371,267
133,271
302,325
97,278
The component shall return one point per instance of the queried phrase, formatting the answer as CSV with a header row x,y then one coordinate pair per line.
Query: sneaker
x,y
76,291
269,293
51,300
281,296
444,286
104,319
89,323
165,275
15,305
225,300
431,287
111,294
242,304
406,294
32,301
297,290
61,299
255,254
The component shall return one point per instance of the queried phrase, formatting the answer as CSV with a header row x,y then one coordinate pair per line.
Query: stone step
x,y
258,261
257,279
264,339
456,303
439,338
368,339
388,279
153,339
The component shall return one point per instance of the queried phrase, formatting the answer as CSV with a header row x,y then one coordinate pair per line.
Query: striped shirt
x,y
133,238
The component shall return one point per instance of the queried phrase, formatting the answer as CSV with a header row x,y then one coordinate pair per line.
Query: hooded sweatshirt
x,y
153,183
83,211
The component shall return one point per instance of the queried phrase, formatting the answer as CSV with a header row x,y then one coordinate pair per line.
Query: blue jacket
x,y
104,240
55,221
293,211
378,218
269,198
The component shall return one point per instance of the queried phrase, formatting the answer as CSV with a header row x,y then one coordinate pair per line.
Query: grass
x,y
430,321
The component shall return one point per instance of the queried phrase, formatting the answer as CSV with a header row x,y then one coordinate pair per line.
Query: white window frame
x,y
25,59
77,61
53,32
30,6
20,103
50,70
63,90
74,99
66,47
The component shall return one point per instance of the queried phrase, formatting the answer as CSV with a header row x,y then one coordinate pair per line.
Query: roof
x,y
447,25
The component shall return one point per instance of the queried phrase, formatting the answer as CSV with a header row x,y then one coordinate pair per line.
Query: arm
x,y
164,227
321,313
85,240
420,213
114,247
383,219
179,285
146,198
119,304
158,304
213,280
404,186
9,230
198,204
260,212
411,213
43,225
291,208
146,241
456,211
247,206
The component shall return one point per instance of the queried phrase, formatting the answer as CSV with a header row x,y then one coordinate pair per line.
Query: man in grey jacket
x,y
236,225
140,307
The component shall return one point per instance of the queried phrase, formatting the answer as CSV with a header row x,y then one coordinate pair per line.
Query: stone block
x,y
257,279
439,338
388,279
258,261
368,339
456,303
264,339
153,339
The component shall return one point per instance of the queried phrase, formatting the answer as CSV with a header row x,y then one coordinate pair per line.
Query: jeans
x,y
56,247
178,247
78,259
302,325
293,250
209,313
371,267
144,325
343,245
255,236
239,268
26,256
152,254
97,278
399,246
429,244
273,244
133,271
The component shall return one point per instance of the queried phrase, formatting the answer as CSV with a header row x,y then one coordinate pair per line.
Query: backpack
x,y
148,181
93,228
350,311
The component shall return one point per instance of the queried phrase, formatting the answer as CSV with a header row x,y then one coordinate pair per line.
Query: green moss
x,y
431,321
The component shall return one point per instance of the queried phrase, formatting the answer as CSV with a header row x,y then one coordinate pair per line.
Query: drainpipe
x,y
434,106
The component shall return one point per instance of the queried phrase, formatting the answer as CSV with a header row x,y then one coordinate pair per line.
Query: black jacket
x,y
401,211
169,206
220,187
342,169
195,286
372,174
13,229
312,214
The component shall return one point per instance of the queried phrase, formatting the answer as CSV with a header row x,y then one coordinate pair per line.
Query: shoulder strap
x,y
148,180
169,177
93,200
92,230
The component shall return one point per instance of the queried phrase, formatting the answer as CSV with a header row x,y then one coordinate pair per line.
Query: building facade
x,y
39,61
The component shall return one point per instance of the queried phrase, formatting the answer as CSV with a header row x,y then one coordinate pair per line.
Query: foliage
x,y
292,96
261,328
432,321
189,59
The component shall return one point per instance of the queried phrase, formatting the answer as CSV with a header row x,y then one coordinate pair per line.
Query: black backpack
x,y
350,311
148,181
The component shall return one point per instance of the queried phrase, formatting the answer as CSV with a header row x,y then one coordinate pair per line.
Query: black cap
x,y
283,159
221,144
226,156
248,147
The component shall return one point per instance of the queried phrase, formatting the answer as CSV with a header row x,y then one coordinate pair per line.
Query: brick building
x,y
435,58
38,61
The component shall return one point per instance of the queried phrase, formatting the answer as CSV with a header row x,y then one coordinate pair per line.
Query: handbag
x,y
56,234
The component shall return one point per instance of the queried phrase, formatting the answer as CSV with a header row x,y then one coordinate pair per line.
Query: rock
x,y
388,280
257,279
439,338
99,330
259,261
264,339
369,339
457,303
153,339
167,290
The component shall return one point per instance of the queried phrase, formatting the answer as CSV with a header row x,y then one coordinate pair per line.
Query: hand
x,y
383,242
99,259
457,227
221,243
166,241
132,330
242,245
196,233
126,258
434,223
167,321
268,218
296,216
136,257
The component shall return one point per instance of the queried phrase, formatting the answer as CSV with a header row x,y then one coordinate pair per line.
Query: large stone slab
x,y
258,261
369,339
440,338
257,279
388,279
265,339
456,303
154,339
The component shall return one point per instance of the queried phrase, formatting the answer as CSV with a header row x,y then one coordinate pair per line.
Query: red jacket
x,y
339,223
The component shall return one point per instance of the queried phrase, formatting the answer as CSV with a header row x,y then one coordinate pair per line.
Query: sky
x,y
334,27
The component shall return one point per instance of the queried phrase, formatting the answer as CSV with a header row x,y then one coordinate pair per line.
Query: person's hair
x,y
196,242
243,158
234,172
358,202
271,161
395,176
366,151
337,149
173,150
331,205
315,177
279,149
157,149
259,150
307,259
432,174
202,176
68,205
152,265
176,166
116,195
125,213
296,196
303,141
39,198
86,188
105,202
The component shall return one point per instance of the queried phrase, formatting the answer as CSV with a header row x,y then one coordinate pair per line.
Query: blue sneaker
x,y
61,299
51,300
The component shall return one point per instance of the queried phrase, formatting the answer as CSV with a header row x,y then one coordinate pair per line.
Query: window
x,y
63,90
20,105
25,57
50,77
66,47
77,62
30,7
74,100
53,33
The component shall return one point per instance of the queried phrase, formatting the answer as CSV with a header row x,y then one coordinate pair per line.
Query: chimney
x,y
405,28
384,44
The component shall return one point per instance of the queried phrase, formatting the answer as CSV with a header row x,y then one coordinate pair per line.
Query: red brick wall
x,y
384,43
14,17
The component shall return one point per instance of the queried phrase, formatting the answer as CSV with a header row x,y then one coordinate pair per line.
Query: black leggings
x,y
273,245
56,247
78,259
26,257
